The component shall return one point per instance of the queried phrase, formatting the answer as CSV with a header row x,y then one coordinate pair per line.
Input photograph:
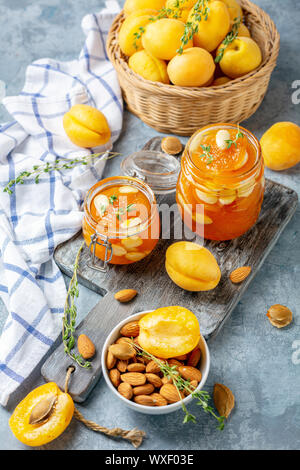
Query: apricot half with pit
x,y
192,267
169,331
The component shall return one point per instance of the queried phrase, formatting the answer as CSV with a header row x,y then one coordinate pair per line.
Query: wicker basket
x,y
182,110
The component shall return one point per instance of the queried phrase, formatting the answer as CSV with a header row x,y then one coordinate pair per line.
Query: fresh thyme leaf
x,y
69,317
231,36
112,199
181,384
230,142
206,154
59,164
130,207
138,35
200,11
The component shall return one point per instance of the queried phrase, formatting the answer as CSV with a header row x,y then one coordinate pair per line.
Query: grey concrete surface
x,y
250,356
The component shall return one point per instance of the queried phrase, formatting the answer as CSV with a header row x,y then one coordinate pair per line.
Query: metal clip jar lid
x,y
159,170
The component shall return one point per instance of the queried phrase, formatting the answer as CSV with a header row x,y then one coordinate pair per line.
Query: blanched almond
x,y
154,380
125,390
131,329
208,198
131,243
202,219
146,389
118,250
101,203
135,256
114,375
127,190
122,351
134,378
146,400
190,373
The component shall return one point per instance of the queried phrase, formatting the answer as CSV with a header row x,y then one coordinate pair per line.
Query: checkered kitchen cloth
x,y
37,217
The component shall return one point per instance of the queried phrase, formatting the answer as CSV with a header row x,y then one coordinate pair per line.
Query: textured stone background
x,y
249,355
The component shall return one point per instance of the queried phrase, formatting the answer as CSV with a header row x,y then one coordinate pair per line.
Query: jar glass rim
x,y
251,138
114,181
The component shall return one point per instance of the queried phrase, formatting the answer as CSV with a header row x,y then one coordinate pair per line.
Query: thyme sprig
x,y
57,165
137,35
230,142
206,153
231,36
69,317
200,11
182,385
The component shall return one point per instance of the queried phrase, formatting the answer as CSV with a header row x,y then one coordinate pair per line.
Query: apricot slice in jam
x,y
169,332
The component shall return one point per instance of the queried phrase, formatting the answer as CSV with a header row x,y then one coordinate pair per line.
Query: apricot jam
x,y
121,211
221,184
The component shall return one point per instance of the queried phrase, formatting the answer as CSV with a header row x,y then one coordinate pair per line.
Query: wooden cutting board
x,y
156,289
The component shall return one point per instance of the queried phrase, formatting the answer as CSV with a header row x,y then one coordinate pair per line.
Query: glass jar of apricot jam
x,y
121,220
221,184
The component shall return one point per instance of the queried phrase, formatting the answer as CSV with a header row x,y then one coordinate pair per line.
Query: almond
x,y
146,389
154,380
131,329
114,375
170,393
146,400
193,385
134,378
174,362
279,315
240,274
86,347
125,295
122,351
42,410
122,339
223,399
125,390
110,360
152,367
122,366
181,358
194,357
136,367
190,373
159,399
166,380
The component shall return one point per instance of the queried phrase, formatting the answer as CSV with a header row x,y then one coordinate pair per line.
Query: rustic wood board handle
x,y
96,325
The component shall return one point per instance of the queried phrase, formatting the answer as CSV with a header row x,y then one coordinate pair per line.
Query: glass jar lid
x,y
159,170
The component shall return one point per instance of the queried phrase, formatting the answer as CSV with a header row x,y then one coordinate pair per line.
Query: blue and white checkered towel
x,y
37,217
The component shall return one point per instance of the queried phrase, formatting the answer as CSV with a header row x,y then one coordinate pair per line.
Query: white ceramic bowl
x,y
152,410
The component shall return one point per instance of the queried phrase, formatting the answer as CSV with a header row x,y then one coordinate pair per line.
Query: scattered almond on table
x,y
240,274
125,295
86,347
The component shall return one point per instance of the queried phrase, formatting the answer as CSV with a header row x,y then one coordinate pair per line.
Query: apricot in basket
x,y
169,331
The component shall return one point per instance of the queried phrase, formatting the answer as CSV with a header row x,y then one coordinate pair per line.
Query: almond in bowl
x,y
143,386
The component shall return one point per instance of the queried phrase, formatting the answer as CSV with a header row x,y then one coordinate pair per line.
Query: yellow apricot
x,y
281,146
131,6
221,81
244,31
241,57
183,11
234,8
194,67
169,332
131,26
86,126
149,67
192,267
212,31
49,429
162,38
